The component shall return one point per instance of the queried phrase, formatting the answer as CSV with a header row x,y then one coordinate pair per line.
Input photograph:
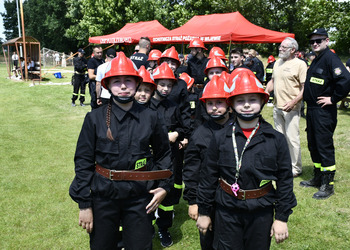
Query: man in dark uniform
x,y
140,57
327,82
92,65
80,64
253,66
197,63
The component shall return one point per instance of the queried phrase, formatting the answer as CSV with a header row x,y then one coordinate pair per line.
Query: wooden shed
x,y
33,52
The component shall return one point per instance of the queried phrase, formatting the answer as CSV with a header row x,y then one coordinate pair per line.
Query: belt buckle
x,y
111,174
243,196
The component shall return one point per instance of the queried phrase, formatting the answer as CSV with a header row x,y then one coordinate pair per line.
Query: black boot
x,y
327,186
315,181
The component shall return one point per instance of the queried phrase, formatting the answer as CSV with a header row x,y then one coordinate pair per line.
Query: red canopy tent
x,y
131,33
220,28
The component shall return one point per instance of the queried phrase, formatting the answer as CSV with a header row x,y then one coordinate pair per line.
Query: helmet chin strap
x,y
248,117
218,117
161,95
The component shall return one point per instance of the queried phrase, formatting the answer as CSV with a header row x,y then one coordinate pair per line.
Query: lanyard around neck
x,y
239,159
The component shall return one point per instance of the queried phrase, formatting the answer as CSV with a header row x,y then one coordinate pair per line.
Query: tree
x,y
10,19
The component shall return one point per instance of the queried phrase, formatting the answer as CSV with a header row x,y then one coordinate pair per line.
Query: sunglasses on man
x,y
318,41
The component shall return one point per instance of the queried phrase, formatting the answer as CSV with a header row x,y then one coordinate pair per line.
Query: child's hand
x,y
280,230
193,211
158,196
86,219
173,136
203,224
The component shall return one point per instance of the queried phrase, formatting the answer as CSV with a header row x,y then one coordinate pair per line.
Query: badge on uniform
x,y
337,71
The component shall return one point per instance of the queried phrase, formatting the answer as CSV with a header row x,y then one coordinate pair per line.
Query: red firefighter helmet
x,y
197,43
188,80
225,76
245,82
271,59
332,50
154,55
218,52
169,53
215,62
146,75
120,66
214,89
163,72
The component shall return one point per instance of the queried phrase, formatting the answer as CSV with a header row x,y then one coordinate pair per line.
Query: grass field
x,y
39,130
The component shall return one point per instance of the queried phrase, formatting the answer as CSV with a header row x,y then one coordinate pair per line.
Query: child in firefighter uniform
x,y
118,179
214,96
242,161
165,79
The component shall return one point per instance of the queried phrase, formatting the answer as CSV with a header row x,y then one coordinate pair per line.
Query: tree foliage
x,y
62,24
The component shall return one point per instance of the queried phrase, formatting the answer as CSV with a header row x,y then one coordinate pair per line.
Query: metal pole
x,y
19,28
24,42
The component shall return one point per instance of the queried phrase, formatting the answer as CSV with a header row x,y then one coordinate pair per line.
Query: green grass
x,y
39,130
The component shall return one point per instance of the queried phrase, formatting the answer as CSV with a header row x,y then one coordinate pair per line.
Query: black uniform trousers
x,y
131,212
92,90
79,83
166,209
320,126
251,229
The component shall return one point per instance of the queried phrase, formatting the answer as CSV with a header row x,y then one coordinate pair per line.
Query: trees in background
x,y
67,24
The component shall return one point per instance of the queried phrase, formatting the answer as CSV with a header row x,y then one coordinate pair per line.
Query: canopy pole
x,y
229,49
24,43
7,64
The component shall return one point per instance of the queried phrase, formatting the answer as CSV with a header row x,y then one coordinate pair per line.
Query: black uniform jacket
x,y
196,69
327,76
195,156
179,95
134,132
170,112
265,158
80,64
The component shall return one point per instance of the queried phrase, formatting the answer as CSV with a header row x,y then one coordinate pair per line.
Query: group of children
x,y
159,131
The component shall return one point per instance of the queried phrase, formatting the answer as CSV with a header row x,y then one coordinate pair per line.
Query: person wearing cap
x,y
118,178
141,57
236,59
92,65
103,94
253,54
183,65
287,84
78,79
197,63
170,112
242,160
327,82
253,66
214,96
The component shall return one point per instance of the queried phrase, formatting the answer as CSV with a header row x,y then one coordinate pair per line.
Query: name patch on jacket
x,y
317,80
140,163
269,71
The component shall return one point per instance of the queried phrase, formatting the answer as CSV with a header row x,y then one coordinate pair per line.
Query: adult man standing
x,y
92,65
197,63
80,67
287,82
327,82
103,94
253,54
140,58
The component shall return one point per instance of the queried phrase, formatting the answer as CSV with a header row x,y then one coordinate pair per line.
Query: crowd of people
x,y
164,125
